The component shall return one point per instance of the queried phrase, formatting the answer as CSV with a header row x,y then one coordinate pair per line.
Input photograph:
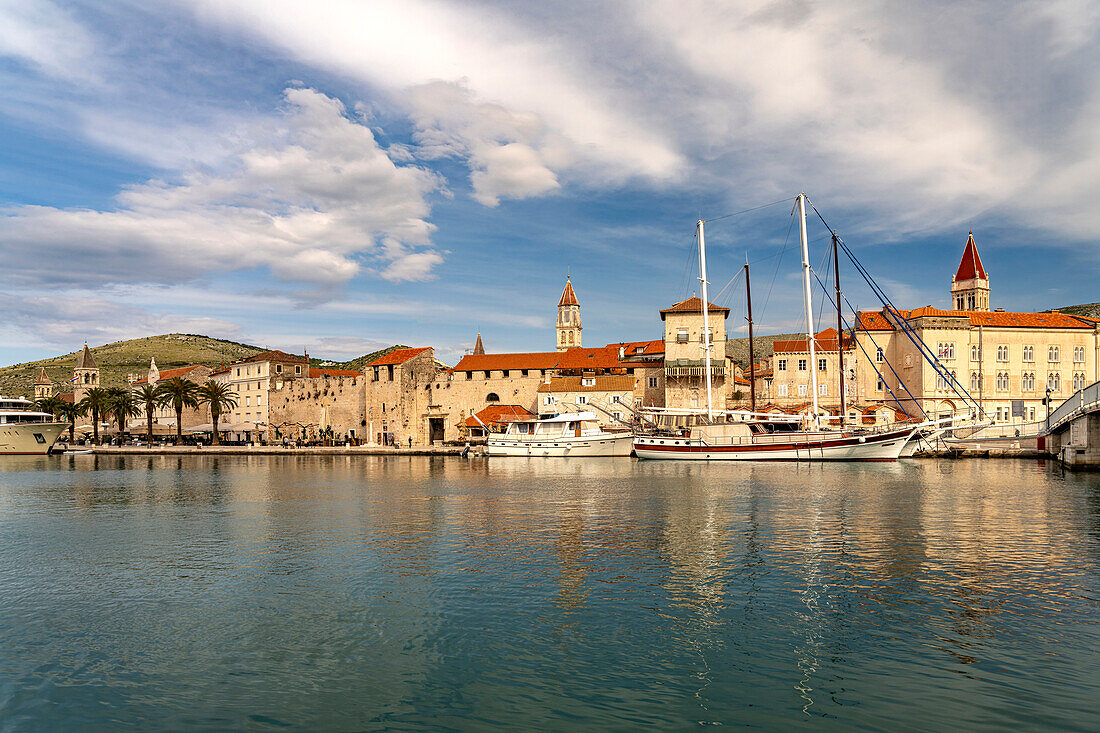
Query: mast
x,y
706,315
809,301
839,329
752,360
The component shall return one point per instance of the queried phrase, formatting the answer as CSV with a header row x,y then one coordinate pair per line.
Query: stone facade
x,y
684,357
311,407
611,397
399,399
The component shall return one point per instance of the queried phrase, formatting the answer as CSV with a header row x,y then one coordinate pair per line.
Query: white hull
x,y
29,438
843,447
608,444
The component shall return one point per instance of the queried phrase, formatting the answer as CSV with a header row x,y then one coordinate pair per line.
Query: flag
x,y
73,380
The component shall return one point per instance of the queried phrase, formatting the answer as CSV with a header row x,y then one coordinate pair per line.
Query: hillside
x,y
738,349
1085,309
121,358
358,362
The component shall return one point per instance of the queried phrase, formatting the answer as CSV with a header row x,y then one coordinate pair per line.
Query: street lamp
x,y
1046,400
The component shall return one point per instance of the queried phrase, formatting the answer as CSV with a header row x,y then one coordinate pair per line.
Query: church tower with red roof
x,y
569,319
970,286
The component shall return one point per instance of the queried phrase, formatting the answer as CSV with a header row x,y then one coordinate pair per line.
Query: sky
x,y
339,176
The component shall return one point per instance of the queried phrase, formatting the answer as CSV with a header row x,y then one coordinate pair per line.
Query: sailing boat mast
x,y
839,329
809,301
752,360
706,315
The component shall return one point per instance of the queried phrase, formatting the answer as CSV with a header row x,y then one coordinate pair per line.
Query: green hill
x,y
1085,309
358,362
121,358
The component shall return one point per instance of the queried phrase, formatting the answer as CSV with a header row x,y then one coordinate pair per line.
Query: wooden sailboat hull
x,y
813,447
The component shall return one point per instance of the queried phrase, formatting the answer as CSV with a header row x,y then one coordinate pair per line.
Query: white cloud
x,y
47,38
308,200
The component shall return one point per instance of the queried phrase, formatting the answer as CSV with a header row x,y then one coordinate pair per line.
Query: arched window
x,y
973,382
493,397
570,337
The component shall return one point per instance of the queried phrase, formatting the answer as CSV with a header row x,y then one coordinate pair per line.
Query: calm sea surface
x,y
414,592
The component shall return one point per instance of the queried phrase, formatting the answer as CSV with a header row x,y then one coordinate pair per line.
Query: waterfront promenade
x,y
248,450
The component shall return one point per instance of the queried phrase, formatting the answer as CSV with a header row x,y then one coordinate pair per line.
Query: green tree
x,y
50,404
150,399
179,393
96,402
220,398
71,412
122,406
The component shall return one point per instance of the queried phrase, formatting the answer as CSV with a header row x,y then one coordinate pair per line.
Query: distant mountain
x,y
121,358
1087,309
358,362
738,349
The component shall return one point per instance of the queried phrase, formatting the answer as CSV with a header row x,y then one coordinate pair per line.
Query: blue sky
x,y
340,176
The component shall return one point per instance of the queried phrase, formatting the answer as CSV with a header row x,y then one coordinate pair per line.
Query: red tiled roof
x,y
876,321
640,348
971,265
604,383
397,356
315,373
693,304
568,297
600,357
274,355
497,362
170,374
823,341
498,414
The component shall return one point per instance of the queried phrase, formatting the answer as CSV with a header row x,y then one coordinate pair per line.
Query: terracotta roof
x,y
85,360
274,355
823,341
42,377
971,265
876,321
568,297
397,356
498,414
496,362
599,357
167,374
604,383
640,348
694,304
315,373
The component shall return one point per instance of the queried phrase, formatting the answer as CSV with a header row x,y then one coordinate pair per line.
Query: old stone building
x,y
568,326
164,414
85,374
399,398
611,397
685,355
43,387
320,404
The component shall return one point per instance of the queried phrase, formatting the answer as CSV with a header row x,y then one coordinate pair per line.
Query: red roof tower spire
x,y
970,286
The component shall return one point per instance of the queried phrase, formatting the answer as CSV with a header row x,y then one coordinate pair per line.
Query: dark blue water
x,y
412,593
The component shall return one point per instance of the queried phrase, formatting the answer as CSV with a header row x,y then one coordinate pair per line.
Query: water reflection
x,y
551,592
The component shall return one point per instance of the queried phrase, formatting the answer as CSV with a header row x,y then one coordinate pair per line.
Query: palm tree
x,y
123,406
50,404
150,398
179,393
220,398
71,412
96,402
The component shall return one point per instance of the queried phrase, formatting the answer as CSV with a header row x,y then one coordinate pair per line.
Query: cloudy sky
x,y
340,175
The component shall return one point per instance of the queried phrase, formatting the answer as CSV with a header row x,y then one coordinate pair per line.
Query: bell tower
x,y
43,387
85,374
970,286
569,319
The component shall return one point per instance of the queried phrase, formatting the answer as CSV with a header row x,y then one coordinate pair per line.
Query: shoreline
x,y
272,450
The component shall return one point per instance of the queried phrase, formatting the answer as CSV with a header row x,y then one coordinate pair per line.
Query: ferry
x,y
23,431
569,435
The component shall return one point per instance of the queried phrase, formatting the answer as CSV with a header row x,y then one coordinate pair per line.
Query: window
x,y
782,365
682,336
523,372
1054,382
617,415
616,398
1029,353
259,400
297,368
247,402
975,353
279,368
582,400
653,382
801,365
946,350
879,356
801,390
821,365
1002,353
823,390
238,372
548,400
973,382
1052,353
1027,382
710,334
781,390
588,381
879,386
1078,354
492,397
998,414
1002,382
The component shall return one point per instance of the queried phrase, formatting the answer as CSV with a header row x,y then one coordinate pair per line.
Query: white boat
x,y
571,435
23,431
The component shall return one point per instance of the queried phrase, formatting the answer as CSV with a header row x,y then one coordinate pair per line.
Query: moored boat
x,y
571,435
24,431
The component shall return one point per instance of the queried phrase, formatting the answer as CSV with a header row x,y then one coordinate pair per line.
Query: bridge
x,y
1073,429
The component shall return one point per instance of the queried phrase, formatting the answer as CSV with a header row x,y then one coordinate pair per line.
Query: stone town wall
x,y
455,398
396,404
316,403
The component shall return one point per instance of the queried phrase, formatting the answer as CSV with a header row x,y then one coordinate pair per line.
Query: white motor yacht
x,y
23,431
566,435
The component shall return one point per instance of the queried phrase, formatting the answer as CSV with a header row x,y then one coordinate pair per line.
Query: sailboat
x,y
722,435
